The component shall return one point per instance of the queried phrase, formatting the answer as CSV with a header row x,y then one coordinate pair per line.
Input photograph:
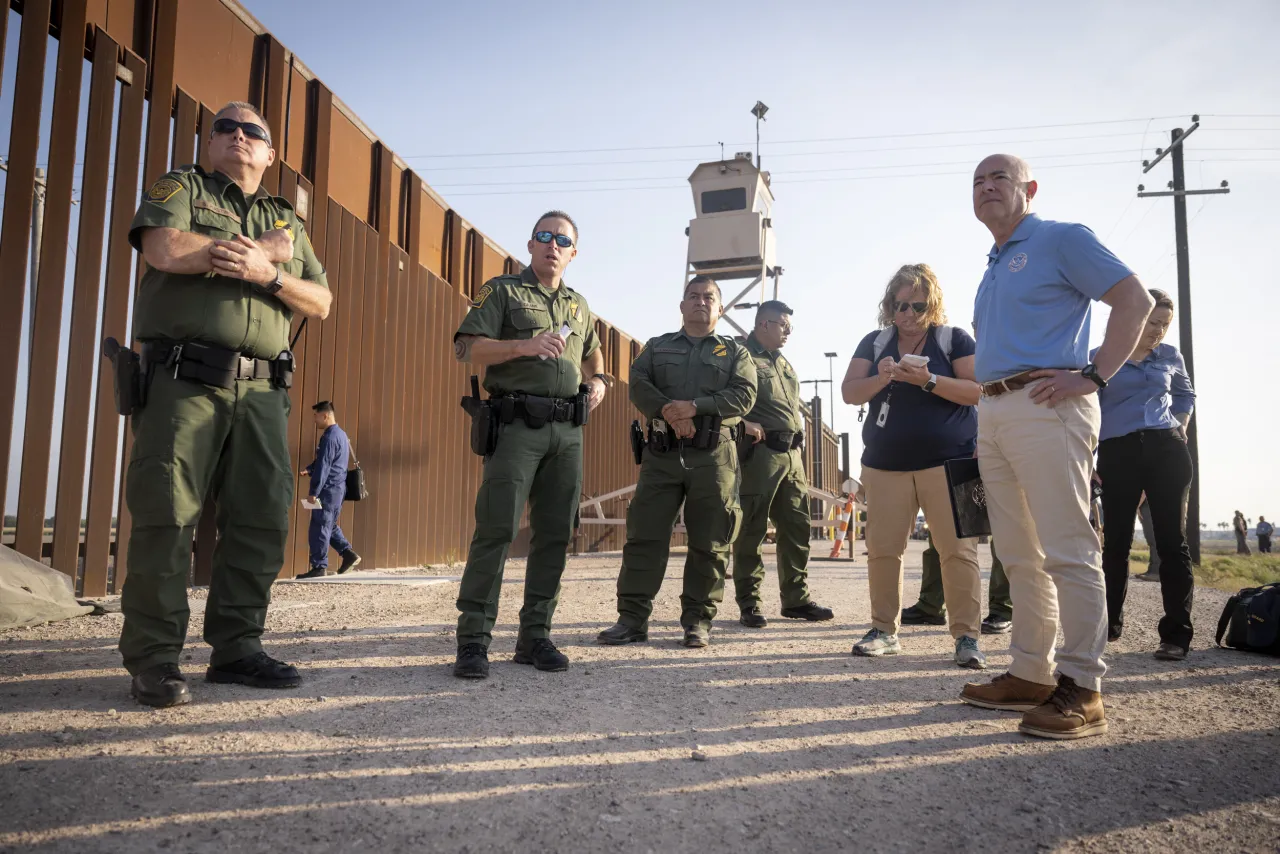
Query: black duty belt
x,y
537,411
199,362
783,440
707,438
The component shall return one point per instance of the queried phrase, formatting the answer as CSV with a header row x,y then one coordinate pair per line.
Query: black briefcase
x,y
968,498
355,482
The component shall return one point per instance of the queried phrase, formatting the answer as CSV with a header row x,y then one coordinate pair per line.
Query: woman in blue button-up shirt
x,y
1143,448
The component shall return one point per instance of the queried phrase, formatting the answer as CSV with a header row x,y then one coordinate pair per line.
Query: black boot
x,y
916,616
316,572
257,671
160,686
350,560
619,633
542,654
811,611
696,637
472,662
752,618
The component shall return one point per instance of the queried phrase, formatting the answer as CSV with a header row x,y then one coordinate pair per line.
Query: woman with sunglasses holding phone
x,y
1142,447
917,374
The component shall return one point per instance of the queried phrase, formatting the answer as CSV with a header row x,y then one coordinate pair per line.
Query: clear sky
x,y
865,100
878,113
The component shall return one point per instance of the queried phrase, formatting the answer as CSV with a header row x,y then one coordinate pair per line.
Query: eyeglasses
x,y
917,307
784,328
564,241
250,129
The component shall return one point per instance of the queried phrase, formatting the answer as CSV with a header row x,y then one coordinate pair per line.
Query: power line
x,y
685,186
779,177
782,154
912,134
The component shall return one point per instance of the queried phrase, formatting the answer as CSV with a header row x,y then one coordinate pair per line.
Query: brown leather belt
x,y
1015,382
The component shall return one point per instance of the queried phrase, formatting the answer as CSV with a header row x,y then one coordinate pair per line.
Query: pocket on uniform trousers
x,y
149,495
494,511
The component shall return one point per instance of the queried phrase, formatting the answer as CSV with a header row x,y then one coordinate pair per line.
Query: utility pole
x,y
831,388
1178,190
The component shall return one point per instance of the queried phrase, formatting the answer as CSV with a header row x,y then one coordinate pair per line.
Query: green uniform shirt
x,y
511,308
716,373
209,307
778,390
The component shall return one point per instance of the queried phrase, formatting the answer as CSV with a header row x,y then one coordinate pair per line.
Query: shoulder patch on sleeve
x,y
484,294
164,190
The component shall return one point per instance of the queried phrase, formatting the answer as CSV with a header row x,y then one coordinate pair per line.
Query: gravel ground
x,y
805,747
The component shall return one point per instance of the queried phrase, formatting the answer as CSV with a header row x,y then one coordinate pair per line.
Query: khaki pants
x,y
893,497
1036,464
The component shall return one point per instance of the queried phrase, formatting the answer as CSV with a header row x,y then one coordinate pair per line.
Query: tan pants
x,y
1036,463
893,498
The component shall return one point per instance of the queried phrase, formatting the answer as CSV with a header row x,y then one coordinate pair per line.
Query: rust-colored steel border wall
x,y
403,266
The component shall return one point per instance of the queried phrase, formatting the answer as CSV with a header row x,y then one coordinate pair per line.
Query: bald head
x,y
1012,164
1002,192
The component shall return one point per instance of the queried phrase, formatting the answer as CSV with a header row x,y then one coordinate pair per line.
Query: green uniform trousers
x,y
708,488
999,601
773,487
544,468
191,441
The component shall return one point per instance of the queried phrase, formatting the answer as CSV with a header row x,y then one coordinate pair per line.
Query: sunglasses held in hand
x,y
564,241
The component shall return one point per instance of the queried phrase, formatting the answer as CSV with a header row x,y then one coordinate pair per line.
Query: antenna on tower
x,y
758,111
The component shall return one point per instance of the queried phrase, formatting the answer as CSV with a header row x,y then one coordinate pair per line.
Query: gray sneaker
x,y
877,642
968,654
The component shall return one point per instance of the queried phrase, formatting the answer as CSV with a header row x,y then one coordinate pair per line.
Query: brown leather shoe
x,y
1006,693
1072,712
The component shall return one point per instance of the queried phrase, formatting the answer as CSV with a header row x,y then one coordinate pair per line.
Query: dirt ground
x,y
807,748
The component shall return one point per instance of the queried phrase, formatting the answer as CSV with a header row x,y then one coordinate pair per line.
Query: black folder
x,y
968,498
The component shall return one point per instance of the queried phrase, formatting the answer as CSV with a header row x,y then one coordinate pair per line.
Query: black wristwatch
x,y
1090,372
274,286
608,383
931,383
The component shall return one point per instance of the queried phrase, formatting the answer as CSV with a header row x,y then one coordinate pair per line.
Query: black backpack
x,y
1251,620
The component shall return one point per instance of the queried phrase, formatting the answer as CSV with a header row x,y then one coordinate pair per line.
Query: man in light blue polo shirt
x,y
1037,430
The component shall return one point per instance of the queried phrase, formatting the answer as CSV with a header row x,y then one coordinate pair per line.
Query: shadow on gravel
x,y
441,789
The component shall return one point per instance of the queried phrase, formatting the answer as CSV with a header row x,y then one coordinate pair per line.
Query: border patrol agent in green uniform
x,y
774,484
227,266
533,375
694,387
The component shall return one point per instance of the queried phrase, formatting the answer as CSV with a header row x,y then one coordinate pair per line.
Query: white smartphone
x,y
565,331
915,361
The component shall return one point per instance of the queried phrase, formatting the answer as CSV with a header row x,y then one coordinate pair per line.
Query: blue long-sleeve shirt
x,y
329,470
1148,395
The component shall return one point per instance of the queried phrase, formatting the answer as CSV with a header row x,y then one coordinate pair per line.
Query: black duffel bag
x,y
1251,620
355,481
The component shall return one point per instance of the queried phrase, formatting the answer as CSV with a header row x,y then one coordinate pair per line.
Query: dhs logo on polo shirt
x,y
1017,262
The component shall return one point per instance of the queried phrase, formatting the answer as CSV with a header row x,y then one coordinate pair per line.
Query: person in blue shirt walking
x,y
1038,424
1143,447
328,486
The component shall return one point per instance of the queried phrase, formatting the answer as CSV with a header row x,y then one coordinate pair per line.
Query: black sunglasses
x,y
917,307
251,130
564,241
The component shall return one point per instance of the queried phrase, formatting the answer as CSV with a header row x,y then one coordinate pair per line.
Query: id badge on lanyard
x,y
884,414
